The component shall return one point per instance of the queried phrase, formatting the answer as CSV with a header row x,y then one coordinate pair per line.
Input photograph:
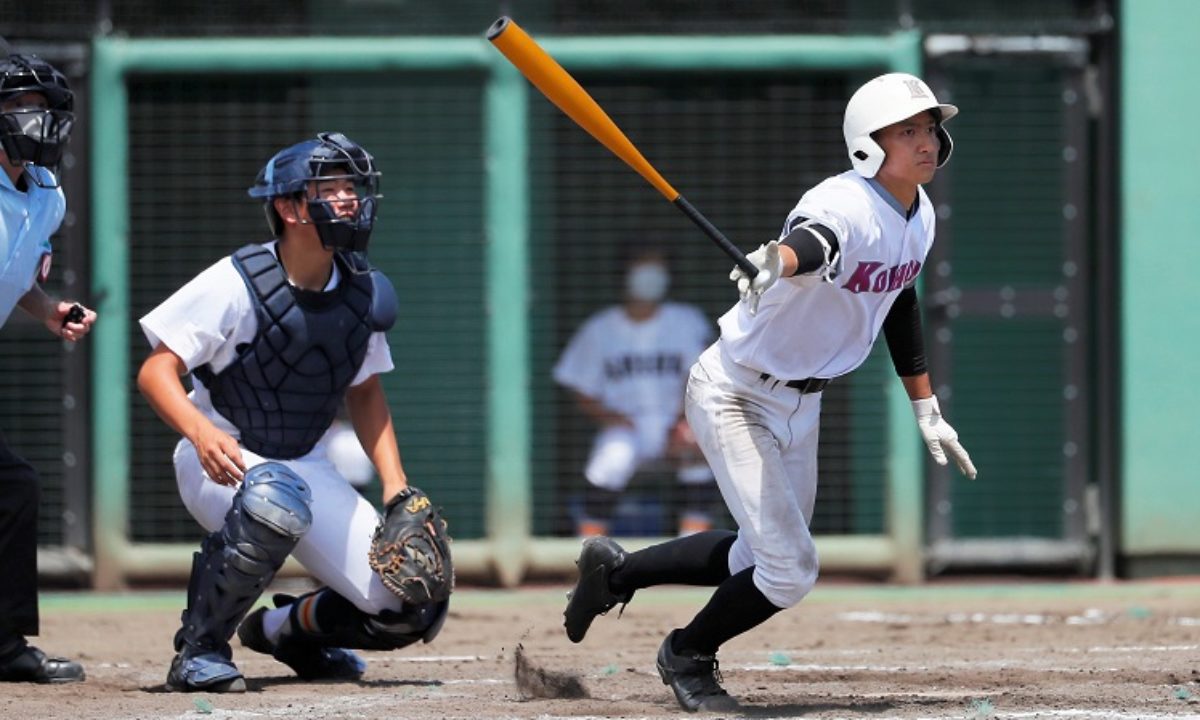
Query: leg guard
x,y
269,514
343,625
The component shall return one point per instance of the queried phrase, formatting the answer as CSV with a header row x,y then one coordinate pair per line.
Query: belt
x,y
807,386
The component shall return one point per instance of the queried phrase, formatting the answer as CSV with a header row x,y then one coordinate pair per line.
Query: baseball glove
x,y
411,549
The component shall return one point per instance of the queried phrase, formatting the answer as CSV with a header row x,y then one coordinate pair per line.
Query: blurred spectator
x,y
627,367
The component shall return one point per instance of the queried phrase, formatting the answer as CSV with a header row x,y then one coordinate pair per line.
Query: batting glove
x,y
770,267
940,438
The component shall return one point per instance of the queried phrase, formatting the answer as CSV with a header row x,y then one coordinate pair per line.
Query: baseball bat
x,y
561,89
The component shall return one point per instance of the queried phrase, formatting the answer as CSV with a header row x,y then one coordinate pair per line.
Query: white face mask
x,y
647,282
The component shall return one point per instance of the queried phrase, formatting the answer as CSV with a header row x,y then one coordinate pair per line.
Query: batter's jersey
x,y
635,368
811,328
206,320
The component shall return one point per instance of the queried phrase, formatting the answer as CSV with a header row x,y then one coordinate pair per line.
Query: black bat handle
x,y
717,236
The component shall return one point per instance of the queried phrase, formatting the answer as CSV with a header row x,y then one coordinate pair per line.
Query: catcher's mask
x,y
34,132
304,169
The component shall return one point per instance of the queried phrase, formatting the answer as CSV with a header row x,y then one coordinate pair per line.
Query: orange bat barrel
x,y
562,90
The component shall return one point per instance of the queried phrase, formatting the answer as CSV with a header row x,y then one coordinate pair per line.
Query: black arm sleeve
x,y
809,251
902,328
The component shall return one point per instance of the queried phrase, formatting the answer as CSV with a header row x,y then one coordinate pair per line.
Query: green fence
x,y
498,214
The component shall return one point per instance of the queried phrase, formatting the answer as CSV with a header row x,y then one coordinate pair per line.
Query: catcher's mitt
x,y
411,549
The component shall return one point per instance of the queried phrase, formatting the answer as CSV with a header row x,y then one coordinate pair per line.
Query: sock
x,y
303,616
700,559
276,623
737,606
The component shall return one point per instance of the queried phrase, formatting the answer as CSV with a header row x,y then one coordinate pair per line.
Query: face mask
x,y
647,283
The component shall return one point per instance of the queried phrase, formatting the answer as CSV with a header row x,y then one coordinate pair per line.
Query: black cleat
x,y
32,665
592,596
695,679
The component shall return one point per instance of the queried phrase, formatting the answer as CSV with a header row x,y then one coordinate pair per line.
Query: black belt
x,y
807,386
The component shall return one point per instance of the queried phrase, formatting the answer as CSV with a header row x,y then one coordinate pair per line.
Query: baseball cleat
x,y
32,665
592,596
694,678
204,672
309,660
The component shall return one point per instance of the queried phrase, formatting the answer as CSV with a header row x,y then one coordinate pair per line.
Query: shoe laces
x,y
716,666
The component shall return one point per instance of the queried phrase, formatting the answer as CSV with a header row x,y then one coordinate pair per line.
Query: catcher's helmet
x,y
885,100
31,134
329,157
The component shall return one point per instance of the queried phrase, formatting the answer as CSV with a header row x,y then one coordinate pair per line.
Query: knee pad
x,y
277,497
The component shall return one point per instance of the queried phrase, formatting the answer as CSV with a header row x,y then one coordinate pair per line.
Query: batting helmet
x,y
885,100
328,157
32,134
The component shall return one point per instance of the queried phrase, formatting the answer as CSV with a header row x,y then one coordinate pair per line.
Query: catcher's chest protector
x,y
283,390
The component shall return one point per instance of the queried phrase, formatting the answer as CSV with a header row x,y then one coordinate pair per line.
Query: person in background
x,y
626,367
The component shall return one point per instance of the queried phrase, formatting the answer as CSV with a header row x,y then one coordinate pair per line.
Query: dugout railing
x,y
507,550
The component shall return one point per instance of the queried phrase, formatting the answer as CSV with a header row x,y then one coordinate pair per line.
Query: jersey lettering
x,y
624,367
865,277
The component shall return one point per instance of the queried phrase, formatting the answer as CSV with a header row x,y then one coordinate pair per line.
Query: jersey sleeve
x,y
579,367
377,361
202,316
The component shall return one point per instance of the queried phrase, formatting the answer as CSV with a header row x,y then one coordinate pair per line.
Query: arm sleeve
x,y
902,328
815,245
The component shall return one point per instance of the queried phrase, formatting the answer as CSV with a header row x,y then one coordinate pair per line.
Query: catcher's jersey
x,y
635,368
209,318
810,328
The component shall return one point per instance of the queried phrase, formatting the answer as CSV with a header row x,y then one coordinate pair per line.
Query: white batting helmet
x,y
885,100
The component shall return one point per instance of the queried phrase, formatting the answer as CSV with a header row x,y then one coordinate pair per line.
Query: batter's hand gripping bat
x,y
561,89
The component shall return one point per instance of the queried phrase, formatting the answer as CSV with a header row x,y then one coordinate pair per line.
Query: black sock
x,y
737,606
700,559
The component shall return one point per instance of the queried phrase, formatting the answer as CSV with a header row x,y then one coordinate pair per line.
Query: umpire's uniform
x,y
28,216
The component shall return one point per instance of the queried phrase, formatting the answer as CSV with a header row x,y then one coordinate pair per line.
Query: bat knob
x,y
498,27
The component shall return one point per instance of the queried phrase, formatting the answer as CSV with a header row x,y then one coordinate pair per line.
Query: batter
x,y
843,269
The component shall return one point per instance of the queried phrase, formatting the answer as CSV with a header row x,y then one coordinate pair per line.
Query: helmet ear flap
x,y
945,147
866,155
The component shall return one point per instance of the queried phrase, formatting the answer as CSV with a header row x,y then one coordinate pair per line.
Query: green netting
x,y
1011,416
1009,362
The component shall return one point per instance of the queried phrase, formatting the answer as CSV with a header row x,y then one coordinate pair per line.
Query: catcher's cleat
x,y
694,678
308,659
592,595
204,672
32,665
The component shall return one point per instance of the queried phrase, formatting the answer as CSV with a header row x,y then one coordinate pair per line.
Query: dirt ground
x,y
970,650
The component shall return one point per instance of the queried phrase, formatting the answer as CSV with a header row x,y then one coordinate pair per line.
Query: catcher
x,y
277,336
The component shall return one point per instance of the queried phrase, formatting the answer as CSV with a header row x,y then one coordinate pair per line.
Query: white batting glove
x,y
770,267
940,438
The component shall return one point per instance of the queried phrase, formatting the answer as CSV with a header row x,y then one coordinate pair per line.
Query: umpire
x,y
35,124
